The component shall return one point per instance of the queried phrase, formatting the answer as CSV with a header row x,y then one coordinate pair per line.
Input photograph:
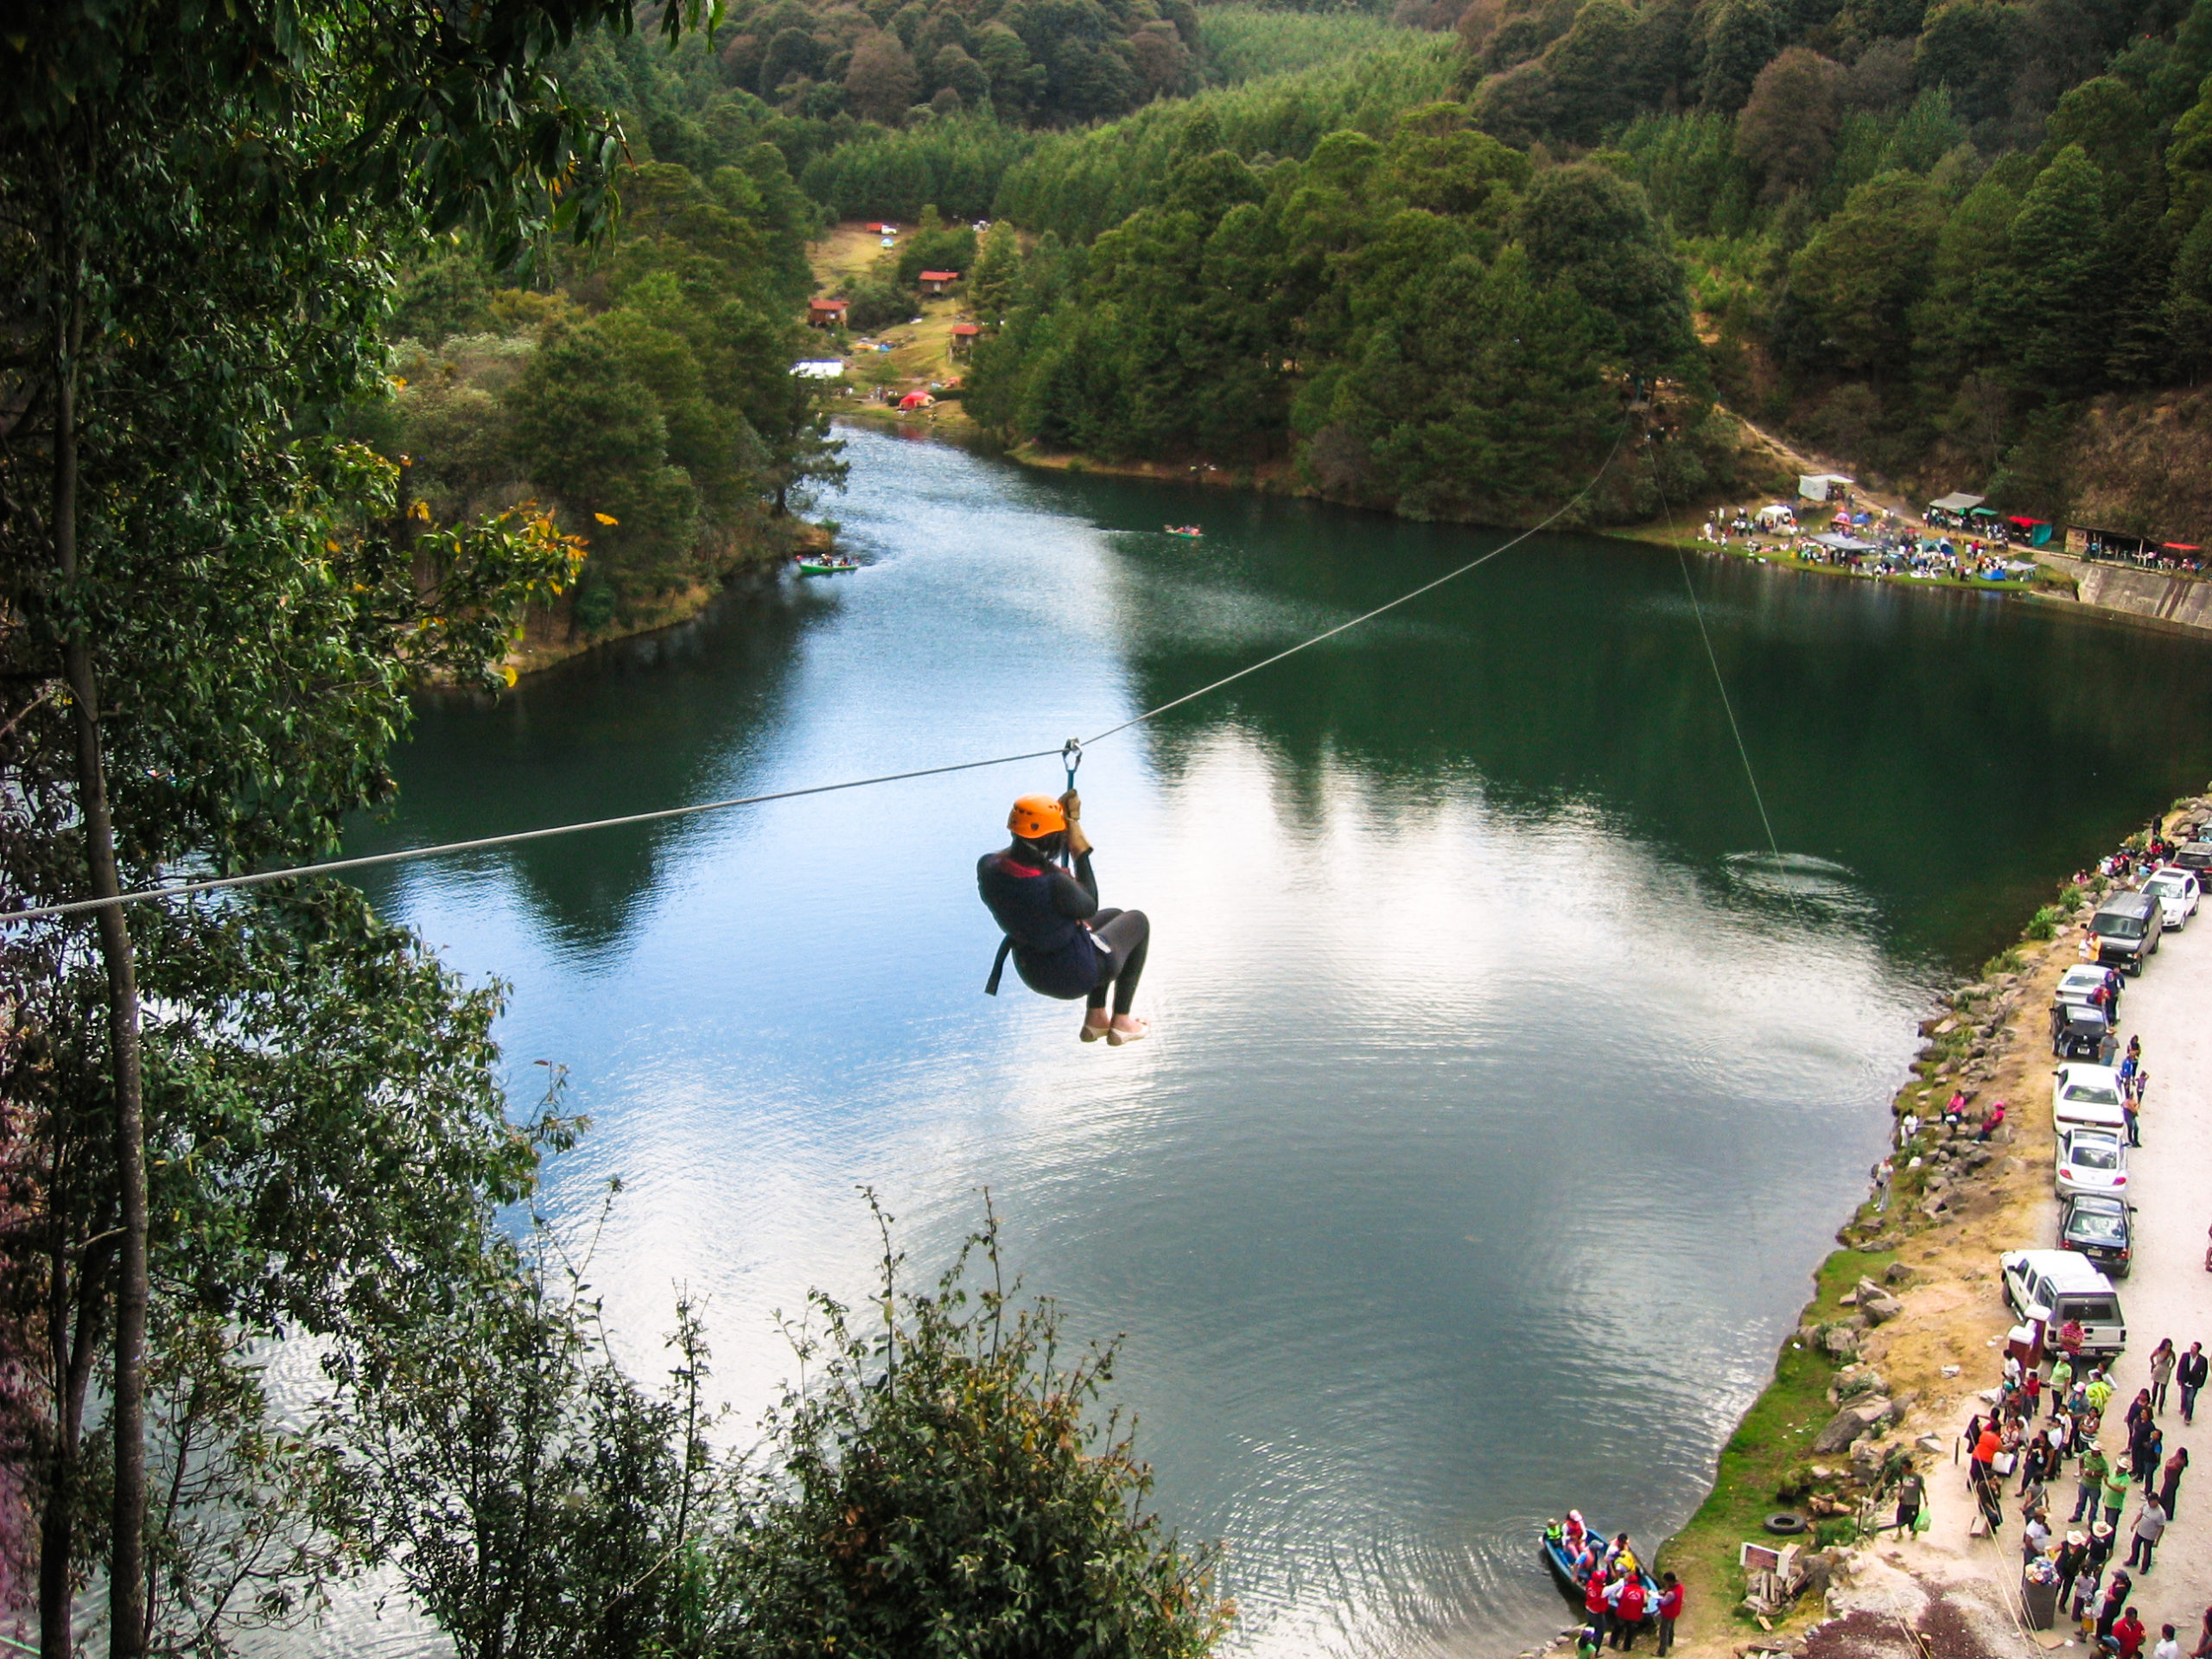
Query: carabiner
x,y
1071,757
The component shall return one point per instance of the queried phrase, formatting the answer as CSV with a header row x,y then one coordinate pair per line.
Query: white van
x,y
2055,1286
2086,1096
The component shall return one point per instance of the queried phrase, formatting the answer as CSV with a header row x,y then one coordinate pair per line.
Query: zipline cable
x,y
1449,575
1751,776
186,889
1070,755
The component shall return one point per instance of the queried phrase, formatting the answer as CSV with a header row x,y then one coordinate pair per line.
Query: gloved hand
x,y
1078,843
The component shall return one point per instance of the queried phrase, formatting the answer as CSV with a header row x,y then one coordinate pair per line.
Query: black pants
x,y
2139,1553
1666,1636
1130,935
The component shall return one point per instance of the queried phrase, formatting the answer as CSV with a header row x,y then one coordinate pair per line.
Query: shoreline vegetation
x,y
1904,1311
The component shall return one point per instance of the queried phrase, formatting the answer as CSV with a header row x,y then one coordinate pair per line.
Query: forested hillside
x,y
1439,326
637,388
1921,237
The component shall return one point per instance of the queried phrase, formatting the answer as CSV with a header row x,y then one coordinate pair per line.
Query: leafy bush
x,y
2044,923
948,1473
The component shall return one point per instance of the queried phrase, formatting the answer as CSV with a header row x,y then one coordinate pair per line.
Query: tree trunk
x,y
126,1558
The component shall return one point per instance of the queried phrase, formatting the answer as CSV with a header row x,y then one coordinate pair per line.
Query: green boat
x,y
824,567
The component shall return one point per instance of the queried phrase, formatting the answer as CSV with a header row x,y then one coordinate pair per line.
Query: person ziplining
x,y
1063,944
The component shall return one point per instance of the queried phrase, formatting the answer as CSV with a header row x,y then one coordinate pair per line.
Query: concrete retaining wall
x,y
2186,601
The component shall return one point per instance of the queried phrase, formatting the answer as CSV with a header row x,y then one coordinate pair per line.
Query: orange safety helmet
x,y
1035,817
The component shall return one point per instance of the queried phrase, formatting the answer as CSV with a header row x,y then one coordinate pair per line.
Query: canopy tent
x,y
915,400
1958,501
826,368
2181,547
1836,542
1815,487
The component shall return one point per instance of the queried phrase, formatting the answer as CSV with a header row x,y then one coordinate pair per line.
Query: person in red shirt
x,y
1670,1609
1629,1612
2128,1635
1594,1598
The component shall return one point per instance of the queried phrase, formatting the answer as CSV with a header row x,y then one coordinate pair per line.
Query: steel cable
x,y
1072,748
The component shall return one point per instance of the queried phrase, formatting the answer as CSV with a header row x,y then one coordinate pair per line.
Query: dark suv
x,y
2194,856
2126,927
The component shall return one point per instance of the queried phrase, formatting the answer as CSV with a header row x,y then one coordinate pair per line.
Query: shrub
x,y
2044,923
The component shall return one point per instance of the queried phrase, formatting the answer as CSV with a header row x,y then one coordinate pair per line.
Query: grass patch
x,y
1767,1455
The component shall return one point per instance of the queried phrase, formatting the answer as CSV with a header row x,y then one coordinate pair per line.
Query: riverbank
x,y
544,640
1902,1332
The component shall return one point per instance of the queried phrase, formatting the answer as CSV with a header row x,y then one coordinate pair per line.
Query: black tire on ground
x,y
1786,1524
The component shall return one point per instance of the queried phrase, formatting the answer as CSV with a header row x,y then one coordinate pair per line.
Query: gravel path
x,y
2169,1293
1945,1577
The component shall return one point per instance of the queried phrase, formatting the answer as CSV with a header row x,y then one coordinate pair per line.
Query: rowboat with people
x,y
1192,531
1565,1544
824,564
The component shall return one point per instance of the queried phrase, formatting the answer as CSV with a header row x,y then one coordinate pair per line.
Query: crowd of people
x,y
1889,543
2050,1425
1619,1598
2044,1421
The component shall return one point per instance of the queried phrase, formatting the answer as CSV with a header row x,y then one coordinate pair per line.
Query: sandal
x,y
1115,1036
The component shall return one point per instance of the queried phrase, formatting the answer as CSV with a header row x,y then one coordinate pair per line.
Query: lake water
x,y
1503,1090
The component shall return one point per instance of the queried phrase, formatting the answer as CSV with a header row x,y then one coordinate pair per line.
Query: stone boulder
x,y
1840,1341
1848,1425
1879,1307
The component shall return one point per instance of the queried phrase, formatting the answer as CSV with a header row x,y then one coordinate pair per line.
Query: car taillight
x,y
2065,1174
2124,1254
2120,1180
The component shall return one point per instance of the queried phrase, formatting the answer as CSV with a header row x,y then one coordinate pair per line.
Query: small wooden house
x,y
935,282
964,336
826,314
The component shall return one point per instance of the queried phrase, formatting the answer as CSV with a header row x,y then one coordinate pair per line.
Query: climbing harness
x,y
1071,755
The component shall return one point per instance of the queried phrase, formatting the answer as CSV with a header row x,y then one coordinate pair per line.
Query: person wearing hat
x,y
1063,944
2071,1555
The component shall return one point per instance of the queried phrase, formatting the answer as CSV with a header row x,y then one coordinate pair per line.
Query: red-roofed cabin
x,y
826,314
964,336
935,282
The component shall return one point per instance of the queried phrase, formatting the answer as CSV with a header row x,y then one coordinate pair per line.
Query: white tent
x,y
828,368
1959,501
1815,487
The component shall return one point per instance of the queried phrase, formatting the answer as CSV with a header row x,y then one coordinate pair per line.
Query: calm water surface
x,y
1504,1089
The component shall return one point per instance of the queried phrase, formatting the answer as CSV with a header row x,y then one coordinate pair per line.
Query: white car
x,y
2080,982
2177,891
2089,1162
2078,1085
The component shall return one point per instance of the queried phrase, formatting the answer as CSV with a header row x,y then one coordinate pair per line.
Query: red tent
x,y
915,400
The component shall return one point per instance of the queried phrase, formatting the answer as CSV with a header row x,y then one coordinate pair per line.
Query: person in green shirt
x,y
2116,1484
2062,1383
2093,1483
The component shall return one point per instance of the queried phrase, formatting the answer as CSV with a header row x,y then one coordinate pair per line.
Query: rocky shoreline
x,y
1897,1344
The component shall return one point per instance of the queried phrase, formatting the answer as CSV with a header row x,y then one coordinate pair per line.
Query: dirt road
x,y
2170,1293
1963,1591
